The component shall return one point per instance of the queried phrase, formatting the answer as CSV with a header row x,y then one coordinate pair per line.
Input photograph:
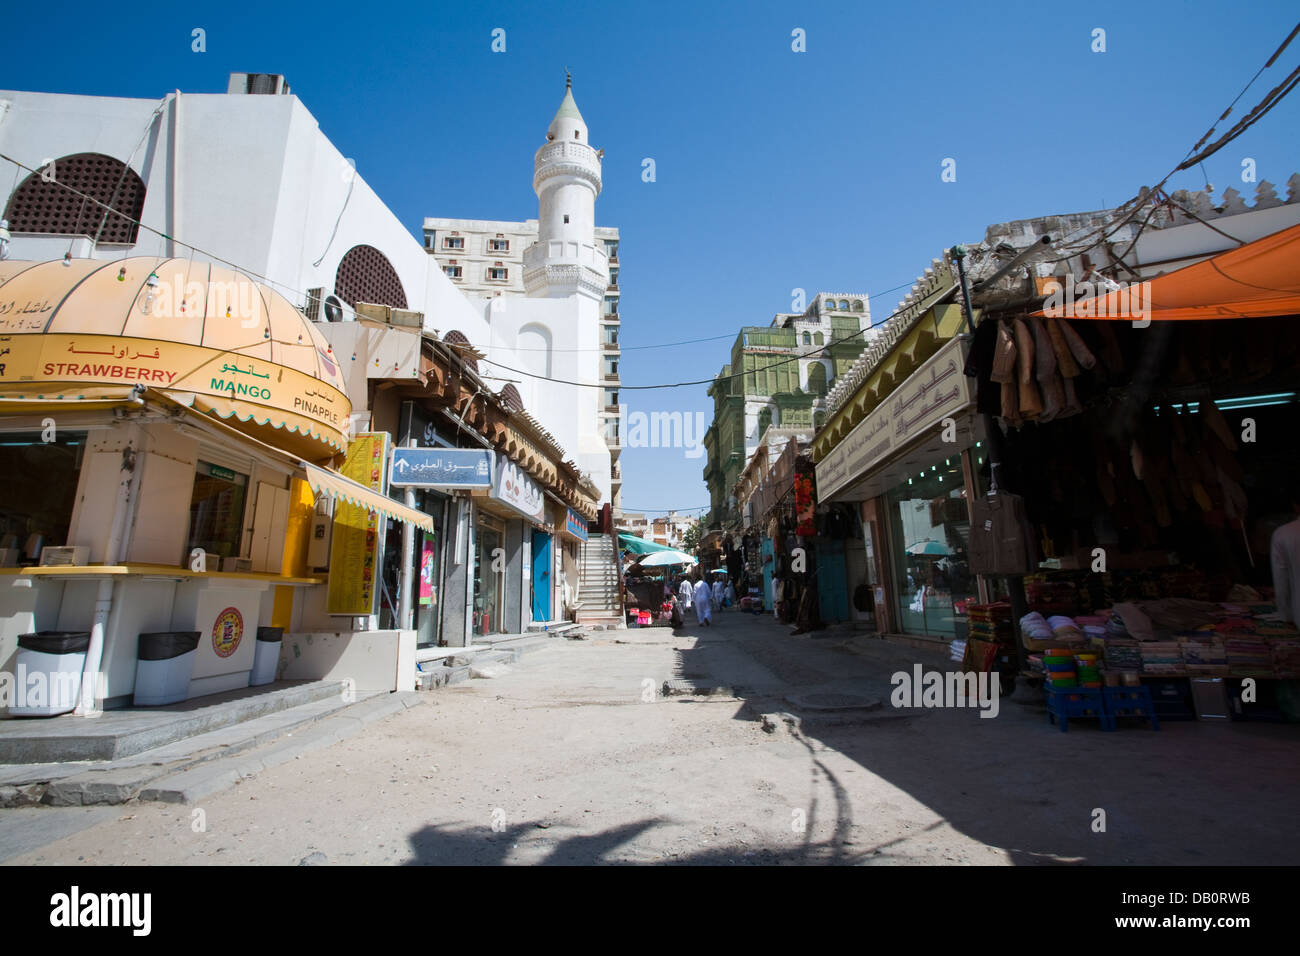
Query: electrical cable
x,y
280,285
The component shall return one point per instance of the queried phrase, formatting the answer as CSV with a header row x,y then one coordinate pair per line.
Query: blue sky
x,y
775,169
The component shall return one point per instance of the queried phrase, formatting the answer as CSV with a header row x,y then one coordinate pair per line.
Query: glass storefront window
x,y
217,510
488,583
38,488
930,533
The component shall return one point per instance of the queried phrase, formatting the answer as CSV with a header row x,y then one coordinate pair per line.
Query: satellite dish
x,y
333,308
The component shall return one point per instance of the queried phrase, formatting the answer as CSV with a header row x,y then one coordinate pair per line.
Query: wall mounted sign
x,y
442,468
227,631
576,525
355,548
512,486
933,392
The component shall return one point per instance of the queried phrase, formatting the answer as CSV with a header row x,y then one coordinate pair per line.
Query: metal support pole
x,y
406,607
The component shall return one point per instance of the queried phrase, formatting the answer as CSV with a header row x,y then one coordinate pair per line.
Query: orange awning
x,y
1257,280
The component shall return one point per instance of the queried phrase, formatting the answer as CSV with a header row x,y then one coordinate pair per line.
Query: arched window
x,y
366,275
807,338
819,339
844,305
764,421
510,398
857,305
45,202
817,378
456,337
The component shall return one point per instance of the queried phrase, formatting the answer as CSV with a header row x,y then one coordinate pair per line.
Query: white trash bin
x,y
266,657
164,663
59,657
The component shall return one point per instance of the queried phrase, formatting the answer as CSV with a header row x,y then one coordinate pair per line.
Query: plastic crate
x,y
1064,703
1130,702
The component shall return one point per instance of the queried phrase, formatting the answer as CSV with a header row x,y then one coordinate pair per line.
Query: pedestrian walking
x,y
686,593
703,603
717,595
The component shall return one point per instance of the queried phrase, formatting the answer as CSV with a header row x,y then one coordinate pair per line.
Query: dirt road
x,y
563,760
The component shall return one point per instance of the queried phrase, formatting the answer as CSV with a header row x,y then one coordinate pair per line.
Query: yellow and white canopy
x,y
208,337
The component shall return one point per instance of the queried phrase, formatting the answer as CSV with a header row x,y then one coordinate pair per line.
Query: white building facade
x,y
283,203
561,254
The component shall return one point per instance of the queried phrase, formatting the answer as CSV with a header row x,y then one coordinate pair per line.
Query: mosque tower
x,y
566,260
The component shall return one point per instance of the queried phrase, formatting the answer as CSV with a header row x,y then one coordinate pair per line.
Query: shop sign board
x,y
936,390
576,525
254,387
356,546
512,486
442,468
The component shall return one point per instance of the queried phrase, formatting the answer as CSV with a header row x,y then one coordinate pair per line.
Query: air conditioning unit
x,y
238,565
71,556
335,309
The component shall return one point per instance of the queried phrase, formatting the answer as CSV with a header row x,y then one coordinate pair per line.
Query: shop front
x,y
912,466
162,462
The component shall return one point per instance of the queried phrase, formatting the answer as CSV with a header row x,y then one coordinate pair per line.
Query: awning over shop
x,y
211,338
634,545
1259,279
336,486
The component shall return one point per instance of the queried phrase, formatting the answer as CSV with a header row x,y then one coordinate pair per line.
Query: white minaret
x,y
566,260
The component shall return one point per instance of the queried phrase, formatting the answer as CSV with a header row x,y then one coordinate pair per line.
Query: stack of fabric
x,y
1064,629
1249,656
1162,657
1204,653
1286,657
1035,627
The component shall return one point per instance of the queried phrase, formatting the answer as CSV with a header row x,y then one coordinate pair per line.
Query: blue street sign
x,y
441,468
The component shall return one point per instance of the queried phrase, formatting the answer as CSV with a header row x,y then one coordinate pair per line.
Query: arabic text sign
x,y
442,468
935,390
58,362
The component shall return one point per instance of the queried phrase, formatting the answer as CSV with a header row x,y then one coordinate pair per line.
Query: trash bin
x,y
58,657
266,657
164,663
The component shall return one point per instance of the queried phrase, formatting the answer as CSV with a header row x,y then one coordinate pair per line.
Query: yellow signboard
x,y
228,382
357,545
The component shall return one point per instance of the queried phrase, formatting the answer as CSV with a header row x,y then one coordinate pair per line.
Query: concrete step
x,y
206,756
122,733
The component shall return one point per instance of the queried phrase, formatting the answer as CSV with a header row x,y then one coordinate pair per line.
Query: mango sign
x,y
54,365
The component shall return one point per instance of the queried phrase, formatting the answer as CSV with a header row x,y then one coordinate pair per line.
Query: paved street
x,y
559,760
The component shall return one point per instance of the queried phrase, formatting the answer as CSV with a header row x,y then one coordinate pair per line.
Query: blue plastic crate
x,y
1131,702
1064,703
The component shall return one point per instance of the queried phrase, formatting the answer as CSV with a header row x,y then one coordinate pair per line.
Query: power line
x,y
85,197
1274,96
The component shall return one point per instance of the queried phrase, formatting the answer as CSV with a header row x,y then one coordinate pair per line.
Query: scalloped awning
x,y
208,337
336,486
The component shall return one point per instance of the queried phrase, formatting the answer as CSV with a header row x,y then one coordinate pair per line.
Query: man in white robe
x,y
703,603
717,594
686,594
1284,553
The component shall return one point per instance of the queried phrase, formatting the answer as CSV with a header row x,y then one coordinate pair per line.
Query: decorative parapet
x,y
937,282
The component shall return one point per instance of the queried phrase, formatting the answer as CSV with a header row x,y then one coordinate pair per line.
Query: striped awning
x,y
345,489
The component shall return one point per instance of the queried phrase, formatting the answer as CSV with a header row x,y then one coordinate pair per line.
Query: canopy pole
x,y
406,607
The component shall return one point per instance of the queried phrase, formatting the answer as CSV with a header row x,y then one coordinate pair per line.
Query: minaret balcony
x,y
566,159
